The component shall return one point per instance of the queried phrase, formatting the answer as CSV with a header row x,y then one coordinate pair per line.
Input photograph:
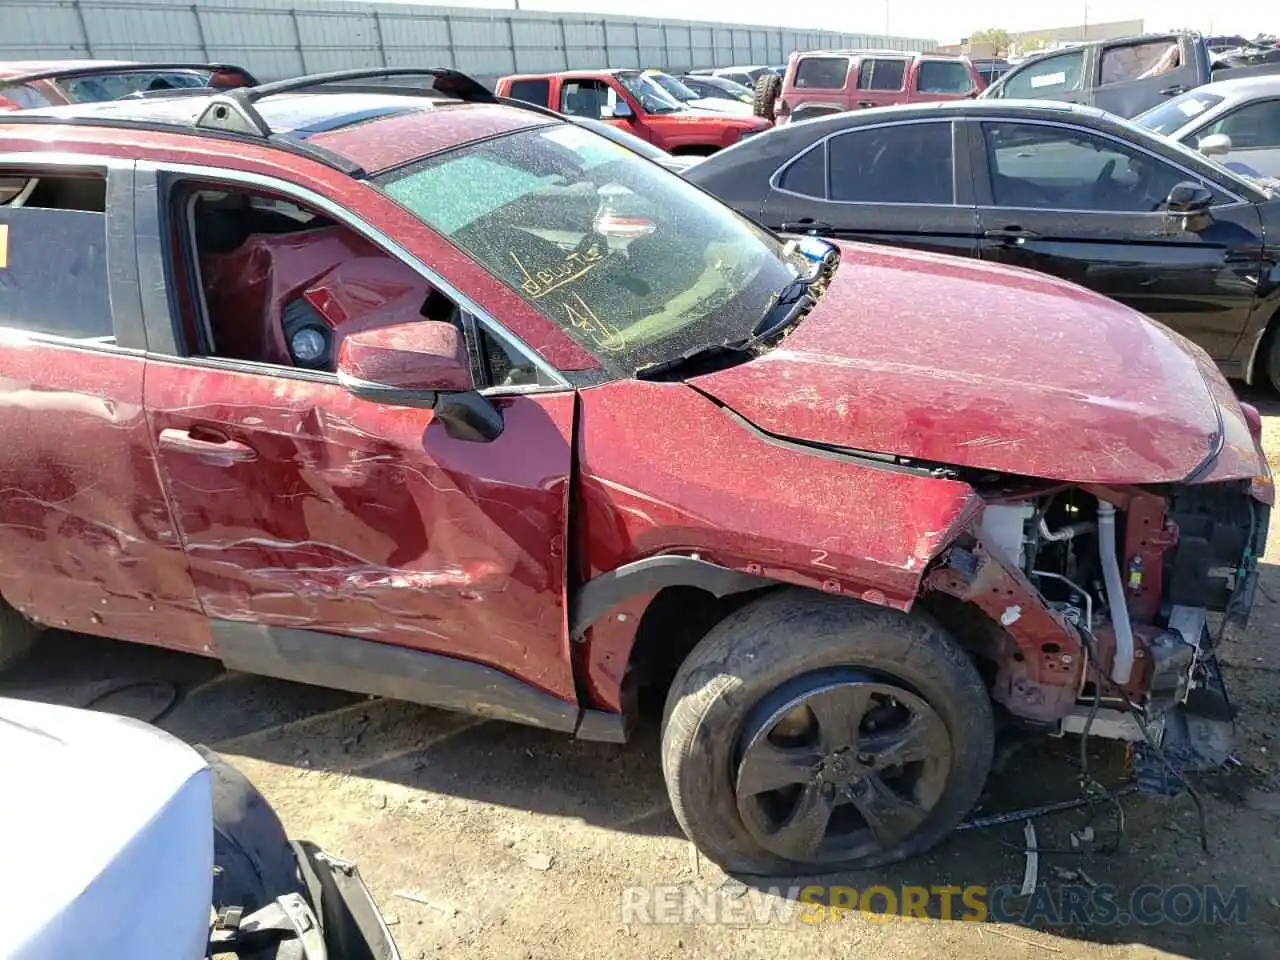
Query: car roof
x,y
20,68
904,111
1242,87
368,131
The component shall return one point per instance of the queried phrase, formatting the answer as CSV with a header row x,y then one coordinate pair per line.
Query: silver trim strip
x,y
374,235
63,159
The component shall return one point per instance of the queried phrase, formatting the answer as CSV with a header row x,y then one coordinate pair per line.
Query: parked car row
x,y
640,103
400,386
45,83
1061,189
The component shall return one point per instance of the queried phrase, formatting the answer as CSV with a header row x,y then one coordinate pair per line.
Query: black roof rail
x,y
71,73
234,111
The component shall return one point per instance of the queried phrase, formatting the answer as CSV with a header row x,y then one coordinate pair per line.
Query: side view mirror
x,y
420,364
1189,197
1190,201
1215,145
622,110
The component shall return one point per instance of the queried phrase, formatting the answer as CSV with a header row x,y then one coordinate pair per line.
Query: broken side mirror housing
x,y
1190,202
420,364
1214,145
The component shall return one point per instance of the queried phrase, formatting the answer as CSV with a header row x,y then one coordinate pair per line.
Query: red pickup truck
x,y
628,99
832,81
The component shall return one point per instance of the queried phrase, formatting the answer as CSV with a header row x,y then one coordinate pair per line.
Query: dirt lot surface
x,y
488,840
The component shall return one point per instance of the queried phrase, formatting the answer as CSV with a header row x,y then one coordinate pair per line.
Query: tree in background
x,y
999,39
1032,44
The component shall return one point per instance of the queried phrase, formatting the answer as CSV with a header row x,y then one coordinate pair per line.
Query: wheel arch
x,y
1255,365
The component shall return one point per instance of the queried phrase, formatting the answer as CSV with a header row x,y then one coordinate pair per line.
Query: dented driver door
x,y
302,506
345,536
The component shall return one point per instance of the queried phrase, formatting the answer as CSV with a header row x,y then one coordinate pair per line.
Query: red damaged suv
x,y
438,397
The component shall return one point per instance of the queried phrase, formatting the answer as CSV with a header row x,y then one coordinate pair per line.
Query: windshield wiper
x,y
703,354
784,308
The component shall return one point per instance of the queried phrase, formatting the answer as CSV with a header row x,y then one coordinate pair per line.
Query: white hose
x,y
1122,666
1063,533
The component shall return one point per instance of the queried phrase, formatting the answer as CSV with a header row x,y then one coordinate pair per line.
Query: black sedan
x,y
1058,188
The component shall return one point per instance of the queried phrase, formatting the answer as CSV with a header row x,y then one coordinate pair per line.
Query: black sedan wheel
x,y
810,732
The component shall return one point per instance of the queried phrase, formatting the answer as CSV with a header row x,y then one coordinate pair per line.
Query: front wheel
x,y
808,732
1271,358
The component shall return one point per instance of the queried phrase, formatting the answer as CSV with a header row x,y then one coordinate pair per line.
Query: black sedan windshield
x,y
1176,113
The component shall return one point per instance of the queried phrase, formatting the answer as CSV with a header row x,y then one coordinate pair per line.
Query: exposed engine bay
x,y
1110,605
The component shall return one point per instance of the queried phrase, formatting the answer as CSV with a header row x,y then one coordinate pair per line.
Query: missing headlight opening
x,y
1114,592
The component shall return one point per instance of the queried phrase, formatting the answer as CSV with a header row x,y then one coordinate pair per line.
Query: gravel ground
x,y
488,840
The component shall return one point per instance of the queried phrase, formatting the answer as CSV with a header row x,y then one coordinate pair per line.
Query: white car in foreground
x,y
1237,122
124,843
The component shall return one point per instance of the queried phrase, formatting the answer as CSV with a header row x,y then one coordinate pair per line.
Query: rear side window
x,y
1055,74
25,96
943,76
1138,61
882,74
807,175
822,73
908,163
531,91
53,257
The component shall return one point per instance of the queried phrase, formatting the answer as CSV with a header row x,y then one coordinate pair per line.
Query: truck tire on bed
x,y
17,635
766,94
808,732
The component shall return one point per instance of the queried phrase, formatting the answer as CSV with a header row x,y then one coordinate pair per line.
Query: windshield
x,y
1188,154
1176,113
729,86
628,259
651,96
113,86
672,86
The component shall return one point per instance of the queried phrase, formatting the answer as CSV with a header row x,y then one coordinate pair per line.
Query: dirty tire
x,y
788,635
1271,358
17,636
766,94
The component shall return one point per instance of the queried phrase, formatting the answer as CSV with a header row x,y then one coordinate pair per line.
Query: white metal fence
x,y
281,38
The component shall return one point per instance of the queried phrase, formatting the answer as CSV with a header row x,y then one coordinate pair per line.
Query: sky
x,y
942,20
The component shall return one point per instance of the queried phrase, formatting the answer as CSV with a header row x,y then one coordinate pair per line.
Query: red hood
x,y
964,363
